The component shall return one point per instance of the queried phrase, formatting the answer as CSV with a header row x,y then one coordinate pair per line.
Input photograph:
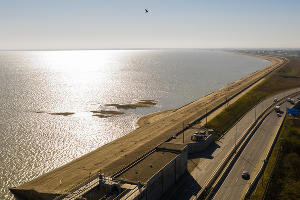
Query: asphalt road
x,y
234,186
214,157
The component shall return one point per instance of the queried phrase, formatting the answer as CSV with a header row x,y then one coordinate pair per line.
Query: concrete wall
x,y
195,147
181,163
169,175
166,177
155,186
159,183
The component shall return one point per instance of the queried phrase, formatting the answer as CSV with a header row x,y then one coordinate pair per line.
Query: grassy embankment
x,y
285,78
281,177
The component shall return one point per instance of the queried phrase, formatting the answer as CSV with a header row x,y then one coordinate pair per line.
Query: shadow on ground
x,y
185,188
207,153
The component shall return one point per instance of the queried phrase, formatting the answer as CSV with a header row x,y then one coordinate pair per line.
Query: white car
x,y
275,100
277,109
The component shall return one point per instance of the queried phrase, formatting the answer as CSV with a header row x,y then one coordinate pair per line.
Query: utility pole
x,y
206,117
262,180
255,112
235,137
183,133
206,110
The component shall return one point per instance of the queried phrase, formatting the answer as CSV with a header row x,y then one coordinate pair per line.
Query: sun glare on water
x,y
75,62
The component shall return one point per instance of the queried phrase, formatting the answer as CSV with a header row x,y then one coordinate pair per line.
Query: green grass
x,y
276,82
285,181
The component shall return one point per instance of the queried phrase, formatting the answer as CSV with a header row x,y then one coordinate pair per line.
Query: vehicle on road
x,y
275,100
277,109
245,175
278,115
288,99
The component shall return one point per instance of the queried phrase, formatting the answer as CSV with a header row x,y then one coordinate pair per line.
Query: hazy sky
x,y
100,24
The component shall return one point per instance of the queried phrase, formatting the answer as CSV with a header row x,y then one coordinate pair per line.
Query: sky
x,y
123,24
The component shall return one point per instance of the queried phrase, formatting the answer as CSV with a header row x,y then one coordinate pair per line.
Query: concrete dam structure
x,y
148,178
152,176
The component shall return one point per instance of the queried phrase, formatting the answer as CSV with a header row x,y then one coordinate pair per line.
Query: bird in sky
x,y
146,11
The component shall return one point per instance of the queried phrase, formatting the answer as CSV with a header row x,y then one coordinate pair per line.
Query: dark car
x,y
245,175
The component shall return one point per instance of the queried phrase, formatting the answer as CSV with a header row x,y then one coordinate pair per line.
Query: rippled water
x,y
35,83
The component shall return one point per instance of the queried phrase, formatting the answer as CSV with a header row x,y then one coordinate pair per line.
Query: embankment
x,y
157,128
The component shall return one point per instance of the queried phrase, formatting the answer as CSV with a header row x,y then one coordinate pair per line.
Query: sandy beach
x,y
153,130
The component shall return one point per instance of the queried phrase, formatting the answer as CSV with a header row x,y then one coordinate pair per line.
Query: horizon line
x,y
158,48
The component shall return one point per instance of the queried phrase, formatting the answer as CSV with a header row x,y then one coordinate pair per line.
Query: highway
x,y
234,186
212,160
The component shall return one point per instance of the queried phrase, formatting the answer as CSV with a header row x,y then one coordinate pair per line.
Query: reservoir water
x,y
36,84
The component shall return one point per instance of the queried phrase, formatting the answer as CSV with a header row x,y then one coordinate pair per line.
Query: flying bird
x,y
146,11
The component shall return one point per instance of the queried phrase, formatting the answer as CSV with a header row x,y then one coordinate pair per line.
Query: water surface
x,y
34,83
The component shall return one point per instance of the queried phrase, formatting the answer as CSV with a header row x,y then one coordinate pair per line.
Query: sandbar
x,y
62,113
139,104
